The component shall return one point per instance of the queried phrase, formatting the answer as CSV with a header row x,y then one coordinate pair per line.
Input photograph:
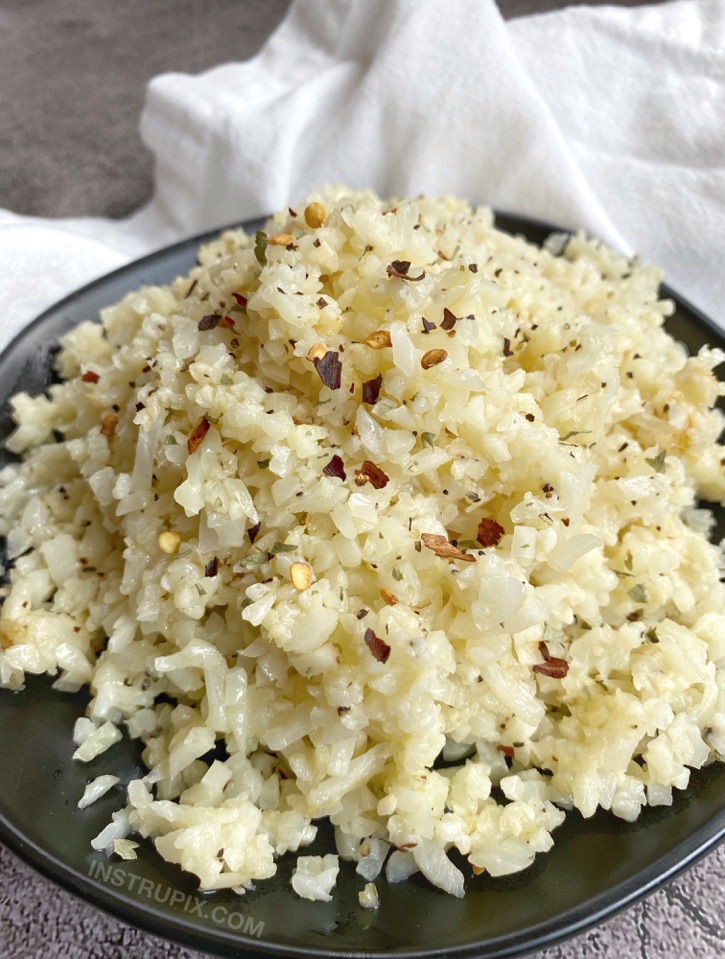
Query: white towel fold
x,y
610,119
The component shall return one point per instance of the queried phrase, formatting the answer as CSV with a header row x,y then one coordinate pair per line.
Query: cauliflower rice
x,y
381,515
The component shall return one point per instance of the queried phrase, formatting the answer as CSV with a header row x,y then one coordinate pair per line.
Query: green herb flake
x,y
658,462
621,573
397,575
218,503
628,561
283,548
651,635
263,464
638,593
226,379
428,439
171,440
253,559
468,544
260,247
573,433
200,589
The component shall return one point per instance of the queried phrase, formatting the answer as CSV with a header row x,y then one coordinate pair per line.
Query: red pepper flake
x,y
548,490
377,646
228,322
506,750
197,435
428,326
209,322
90,377
449,319
370,473
212,567
335,468
329,368
253,532
507,351
241,300
552,666
444,548
489,532
371,389
400,268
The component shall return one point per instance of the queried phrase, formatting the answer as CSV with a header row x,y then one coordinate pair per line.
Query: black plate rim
x,y
220,942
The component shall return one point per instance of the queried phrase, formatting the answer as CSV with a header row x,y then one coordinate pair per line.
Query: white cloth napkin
x,y
611,119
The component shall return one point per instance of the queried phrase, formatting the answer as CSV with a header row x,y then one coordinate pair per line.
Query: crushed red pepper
x,y
400,268
552,666
370,473
377,646
489,532
329,369
197,435
335,468
371,389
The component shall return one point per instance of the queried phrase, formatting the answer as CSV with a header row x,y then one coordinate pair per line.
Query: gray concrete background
x,y
72,80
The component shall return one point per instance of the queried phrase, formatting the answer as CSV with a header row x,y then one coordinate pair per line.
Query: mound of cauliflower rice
x,y
381,515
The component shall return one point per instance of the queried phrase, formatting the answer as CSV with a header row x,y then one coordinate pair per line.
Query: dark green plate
x,y
597,866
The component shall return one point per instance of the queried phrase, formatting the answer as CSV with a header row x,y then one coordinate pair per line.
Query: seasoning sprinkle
x,y
109,424
281,239
370,473
335,467
90,377
379,340
553,666
657,462
400,268
433,358
253,532
329,369
371,389
449,319
444,548
315,215
197,435
489,532
209,322
377,646
260,247
169,541
301,576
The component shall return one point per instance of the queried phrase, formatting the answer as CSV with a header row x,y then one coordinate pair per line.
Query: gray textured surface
x,y
72,78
